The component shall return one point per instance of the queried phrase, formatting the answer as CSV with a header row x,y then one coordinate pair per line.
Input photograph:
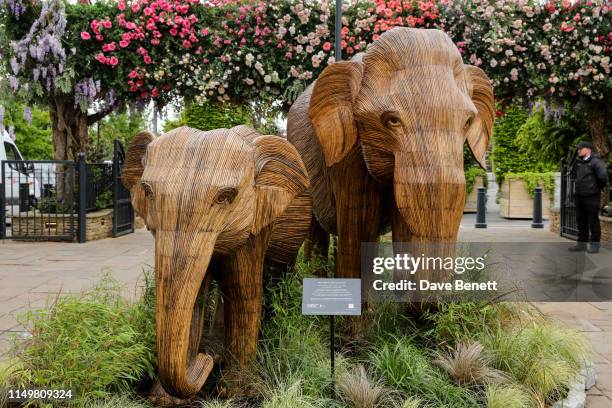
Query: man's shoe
x,y
593,248
579,247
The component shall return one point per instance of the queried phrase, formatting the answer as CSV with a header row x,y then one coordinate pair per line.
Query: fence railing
x,y
49,199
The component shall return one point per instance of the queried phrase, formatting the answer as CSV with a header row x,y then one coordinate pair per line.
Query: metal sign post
x,y
331,297
338,27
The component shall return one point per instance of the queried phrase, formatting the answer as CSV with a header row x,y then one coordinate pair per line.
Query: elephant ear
x,y
280,176
481,92
331,109
132,170
133,167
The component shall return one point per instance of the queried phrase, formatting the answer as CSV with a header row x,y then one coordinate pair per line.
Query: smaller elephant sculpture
x,y
218,203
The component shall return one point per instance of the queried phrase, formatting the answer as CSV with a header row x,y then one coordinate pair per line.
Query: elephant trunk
x,y
181,261
429,190
430,197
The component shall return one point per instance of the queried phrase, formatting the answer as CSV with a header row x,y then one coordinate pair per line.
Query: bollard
x,y
481,208
537,208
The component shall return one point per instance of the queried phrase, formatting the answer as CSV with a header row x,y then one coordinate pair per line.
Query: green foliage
x,y
506,155
405,366
543,357
33,140
211,115
533,180
470,178
507,396
95,343
547,141
122,126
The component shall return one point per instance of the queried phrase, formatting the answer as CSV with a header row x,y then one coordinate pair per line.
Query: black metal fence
x,y
37,199
568,225
49,199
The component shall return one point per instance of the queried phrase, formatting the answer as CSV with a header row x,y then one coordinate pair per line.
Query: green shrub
x,y
95,343
506,154
290,395
533,180
211,115
470,178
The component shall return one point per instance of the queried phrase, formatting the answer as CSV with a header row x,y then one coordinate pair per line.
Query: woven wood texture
x,y
224,193
382,138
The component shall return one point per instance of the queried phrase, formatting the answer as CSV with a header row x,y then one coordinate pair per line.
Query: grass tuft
x,y
467,364
507,396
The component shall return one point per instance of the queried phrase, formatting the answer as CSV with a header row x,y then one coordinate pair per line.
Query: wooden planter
x,y
515,201
471,200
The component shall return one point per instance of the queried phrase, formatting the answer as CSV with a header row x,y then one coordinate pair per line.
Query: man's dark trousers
x,y
587,217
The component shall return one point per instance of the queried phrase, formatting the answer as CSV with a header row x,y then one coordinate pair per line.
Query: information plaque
x,y
331,296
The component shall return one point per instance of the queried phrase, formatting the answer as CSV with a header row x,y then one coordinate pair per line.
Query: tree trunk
x,y
599,114
69,129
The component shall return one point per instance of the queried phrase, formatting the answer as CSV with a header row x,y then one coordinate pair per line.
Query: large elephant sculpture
x,y
382,138
218,203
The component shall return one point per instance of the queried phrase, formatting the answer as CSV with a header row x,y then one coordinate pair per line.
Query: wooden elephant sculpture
x,y
217,201
382,138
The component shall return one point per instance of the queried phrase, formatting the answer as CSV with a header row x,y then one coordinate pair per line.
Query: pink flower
x,y
108,47
107,24
130,25
326,46
101,58
94,25
288,55
85,35
204,32
577,17
100,37
121,5
133,74
113,61
186,44
154,92
147,59
173,32
155,41
141,51
124,43
135,8
148,11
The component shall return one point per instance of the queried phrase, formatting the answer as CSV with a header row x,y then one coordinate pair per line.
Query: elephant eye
x,y
391,119
226,195
468,122
148,190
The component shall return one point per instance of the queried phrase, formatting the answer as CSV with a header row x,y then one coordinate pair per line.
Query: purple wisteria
x,y
41,50
27,115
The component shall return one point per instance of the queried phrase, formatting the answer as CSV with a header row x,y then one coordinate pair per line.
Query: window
x,y
11,152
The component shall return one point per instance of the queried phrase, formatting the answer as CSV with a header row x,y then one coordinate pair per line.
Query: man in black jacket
x,y
591,177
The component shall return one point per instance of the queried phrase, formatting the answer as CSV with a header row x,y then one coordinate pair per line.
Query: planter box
x,y
99,224
471,200
515,201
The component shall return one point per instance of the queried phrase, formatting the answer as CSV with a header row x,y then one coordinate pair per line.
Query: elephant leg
x,y
358,209
317,245
242,285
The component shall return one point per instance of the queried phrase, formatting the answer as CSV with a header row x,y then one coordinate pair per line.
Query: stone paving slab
x,y
33,272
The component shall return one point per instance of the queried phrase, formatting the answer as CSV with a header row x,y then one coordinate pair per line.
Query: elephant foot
x,y
160,398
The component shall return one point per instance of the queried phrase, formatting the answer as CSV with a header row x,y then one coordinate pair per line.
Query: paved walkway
x,y
31,273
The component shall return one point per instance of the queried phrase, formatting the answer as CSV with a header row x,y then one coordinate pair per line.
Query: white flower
x,y
267,79
249,81
249,59
493,63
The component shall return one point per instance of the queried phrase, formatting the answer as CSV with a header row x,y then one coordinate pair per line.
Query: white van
x,y
16,177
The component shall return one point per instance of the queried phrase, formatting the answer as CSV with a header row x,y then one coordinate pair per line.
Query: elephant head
x,y
203,194
410,104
